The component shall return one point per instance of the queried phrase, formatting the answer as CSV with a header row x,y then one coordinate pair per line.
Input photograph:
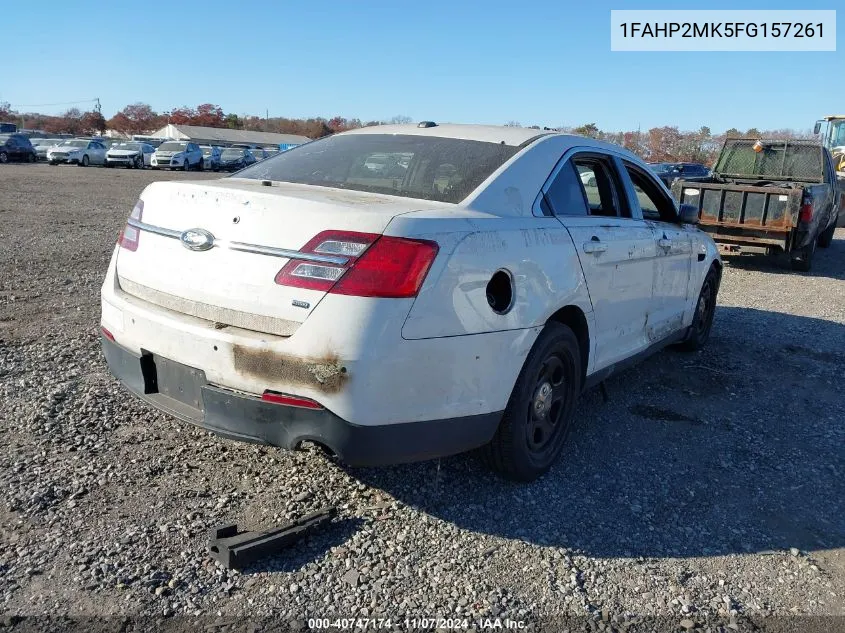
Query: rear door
x,y
96,153
13,148
617,251
673,248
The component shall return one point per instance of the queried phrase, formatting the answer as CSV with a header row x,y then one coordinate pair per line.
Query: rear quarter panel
x,y
537,253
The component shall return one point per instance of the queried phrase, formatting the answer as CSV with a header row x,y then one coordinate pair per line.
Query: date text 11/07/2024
x,y
416,624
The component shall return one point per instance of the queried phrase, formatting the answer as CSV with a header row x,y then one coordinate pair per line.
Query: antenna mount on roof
x,y
426,124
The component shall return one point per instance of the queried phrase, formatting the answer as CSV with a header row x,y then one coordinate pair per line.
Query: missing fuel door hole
x,y
500,292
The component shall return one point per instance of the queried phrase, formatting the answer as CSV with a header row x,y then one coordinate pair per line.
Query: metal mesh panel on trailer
x,y
782,160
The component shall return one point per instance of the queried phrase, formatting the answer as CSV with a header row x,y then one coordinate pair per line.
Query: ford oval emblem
x,y
197,239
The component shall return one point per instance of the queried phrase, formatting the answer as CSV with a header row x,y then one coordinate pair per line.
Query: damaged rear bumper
x,y
184,393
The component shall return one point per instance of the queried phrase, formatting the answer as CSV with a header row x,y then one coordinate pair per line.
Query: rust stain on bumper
x,y
327,373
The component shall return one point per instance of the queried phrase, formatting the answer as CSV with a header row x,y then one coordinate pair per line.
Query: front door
x,y
616,251
674,255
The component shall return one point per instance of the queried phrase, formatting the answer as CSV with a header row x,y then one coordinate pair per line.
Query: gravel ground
x,y
708,490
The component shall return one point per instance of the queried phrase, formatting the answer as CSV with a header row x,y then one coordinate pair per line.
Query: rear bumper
x,y
239,416
750,236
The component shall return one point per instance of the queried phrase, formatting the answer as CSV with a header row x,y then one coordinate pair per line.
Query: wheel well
x,y
573,317
717,266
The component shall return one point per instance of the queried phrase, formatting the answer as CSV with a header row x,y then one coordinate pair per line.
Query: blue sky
x,y
543,62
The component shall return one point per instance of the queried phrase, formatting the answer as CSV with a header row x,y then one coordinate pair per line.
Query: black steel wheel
x,y
541,408
705,310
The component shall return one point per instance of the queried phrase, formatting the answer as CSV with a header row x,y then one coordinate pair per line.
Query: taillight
x,y
290,401
376,266
129,237
806,213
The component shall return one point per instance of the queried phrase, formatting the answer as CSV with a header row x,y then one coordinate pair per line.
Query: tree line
x,y
657,144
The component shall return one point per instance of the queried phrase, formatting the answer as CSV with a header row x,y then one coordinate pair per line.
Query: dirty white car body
x,y
425,340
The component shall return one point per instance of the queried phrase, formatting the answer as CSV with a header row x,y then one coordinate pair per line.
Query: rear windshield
x,y
431,168
778,160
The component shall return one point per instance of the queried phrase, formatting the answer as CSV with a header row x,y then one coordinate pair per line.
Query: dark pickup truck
x,y
770,196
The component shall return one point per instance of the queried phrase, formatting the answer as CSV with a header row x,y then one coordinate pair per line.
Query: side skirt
x,y
603,374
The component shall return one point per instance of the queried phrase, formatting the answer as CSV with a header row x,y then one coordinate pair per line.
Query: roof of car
x,y
486,133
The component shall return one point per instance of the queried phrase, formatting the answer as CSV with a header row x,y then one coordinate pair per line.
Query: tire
x,y
803,261
186,166
106,164
826,238
705,309
85,161
540,412
32,158
4,157
139,163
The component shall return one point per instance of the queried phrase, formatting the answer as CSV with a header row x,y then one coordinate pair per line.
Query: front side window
x,y
653,203
407,165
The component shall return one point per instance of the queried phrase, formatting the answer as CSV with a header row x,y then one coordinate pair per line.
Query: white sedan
x,y
466,302
78,151
131,154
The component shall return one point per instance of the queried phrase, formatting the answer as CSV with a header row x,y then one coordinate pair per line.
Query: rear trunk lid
x,y
229,284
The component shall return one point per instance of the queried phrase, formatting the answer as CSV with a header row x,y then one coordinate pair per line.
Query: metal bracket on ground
x,y
237,550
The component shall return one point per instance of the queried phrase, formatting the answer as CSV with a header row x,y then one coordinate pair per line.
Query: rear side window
x,y
565,196
599,185
407,165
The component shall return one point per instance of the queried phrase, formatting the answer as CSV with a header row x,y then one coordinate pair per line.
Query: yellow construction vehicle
x,y
833,137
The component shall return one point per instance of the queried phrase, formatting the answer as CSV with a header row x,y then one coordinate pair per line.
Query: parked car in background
x,y
670,172
177,155
258,153
235,158
380,318
41,146
78,151
151,140
211,157
130,154
16,147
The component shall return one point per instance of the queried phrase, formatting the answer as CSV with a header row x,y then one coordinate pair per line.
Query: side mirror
x,y
688,214
817,128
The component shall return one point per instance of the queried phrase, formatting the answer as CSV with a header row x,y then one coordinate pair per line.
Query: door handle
x,y
594,247
664,243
